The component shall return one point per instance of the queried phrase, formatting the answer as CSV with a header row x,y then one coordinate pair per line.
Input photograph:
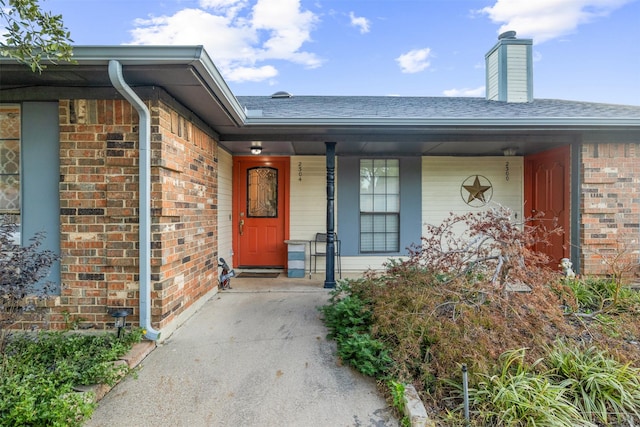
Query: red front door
x,y
260,201
547,194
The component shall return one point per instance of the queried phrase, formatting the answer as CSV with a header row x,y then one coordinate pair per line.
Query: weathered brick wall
x,y
184,210
610,221
99,212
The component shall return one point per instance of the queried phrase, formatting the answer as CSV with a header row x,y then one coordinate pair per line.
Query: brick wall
x,y
610,222
99,212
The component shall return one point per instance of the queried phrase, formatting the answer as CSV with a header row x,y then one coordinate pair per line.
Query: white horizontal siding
x,y
517,73
363,263
225,204
442,178
492,76
308,197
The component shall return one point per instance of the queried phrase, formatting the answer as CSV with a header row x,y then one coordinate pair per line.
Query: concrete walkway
x,y
255,355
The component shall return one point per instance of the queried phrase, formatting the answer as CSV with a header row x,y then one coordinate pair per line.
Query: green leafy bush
x,y
349,321
366,354
38,374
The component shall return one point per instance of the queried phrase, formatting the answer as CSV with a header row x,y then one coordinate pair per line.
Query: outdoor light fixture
x,y
120,319
510,151
256,148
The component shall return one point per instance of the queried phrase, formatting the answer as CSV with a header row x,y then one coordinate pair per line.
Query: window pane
x,y
393,203
366,242
393,185
379,203
380,166
380,185
376,242
262,193
9,193
366,203
366,223
10,159
392,224
392,241
393,168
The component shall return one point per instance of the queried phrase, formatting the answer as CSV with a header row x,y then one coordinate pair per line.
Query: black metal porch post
x,y
330,281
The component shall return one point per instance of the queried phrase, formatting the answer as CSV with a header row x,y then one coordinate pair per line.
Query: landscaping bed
x,y
56,378
540,348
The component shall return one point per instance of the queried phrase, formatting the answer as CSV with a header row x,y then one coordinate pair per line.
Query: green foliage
x,y
517,396
349,320
33,34
38,373
366,354
397,390
600,387
344,316
595,294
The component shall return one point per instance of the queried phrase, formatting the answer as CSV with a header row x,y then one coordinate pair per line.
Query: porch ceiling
x,y
394,141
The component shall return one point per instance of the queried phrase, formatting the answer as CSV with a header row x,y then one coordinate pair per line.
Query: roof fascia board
x,y
195,56
563,122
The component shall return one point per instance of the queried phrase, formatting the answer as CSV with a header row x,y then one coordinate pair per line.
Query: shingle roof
x,y
354,107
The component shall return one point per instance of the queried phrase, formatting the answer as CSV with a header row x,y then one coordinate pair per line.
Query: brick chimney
x,y
509,66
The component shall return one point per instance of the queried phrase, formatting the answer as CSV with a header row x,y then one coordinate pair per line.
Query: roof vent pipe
x,y
144,211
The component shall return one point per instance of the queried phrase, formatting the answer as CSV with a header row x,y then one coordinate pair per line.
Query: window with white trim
x,y
379,205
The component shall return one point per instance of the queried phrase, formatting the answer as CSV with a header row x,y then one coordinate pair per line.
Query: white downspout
x,y
144,144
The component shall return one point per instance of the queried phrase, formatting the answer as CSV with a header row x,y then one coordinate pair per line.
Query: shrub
x,y
21,268
349,320
472,293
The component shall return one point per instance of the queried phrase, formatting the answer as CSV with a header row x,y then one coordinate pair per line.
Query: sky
x,y
584,50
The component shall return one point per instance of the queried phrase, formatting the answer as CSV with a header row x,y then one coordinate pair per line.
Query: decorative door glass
x,y
262,192
9,159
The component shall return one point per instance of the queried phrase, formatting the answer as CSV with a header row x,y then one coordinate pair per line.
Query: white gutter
x,y
144,212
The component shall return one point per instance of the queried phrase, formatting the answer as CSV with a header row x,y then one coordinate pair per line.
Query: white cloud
x,y
288,28
361,22
237,36
544,20
479,91
253,74
415,60
228,7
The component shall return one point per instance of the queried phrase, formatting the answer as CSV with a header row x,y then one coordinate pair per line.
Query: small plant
x,y
21,268
397,390
603,389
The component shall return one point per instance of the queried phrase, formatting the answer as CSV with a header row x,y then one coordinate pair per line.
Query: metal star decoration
x,y
476,191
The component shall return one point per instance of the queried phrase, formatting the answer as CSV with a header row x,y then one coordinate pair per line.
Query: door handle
x,y
241,226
